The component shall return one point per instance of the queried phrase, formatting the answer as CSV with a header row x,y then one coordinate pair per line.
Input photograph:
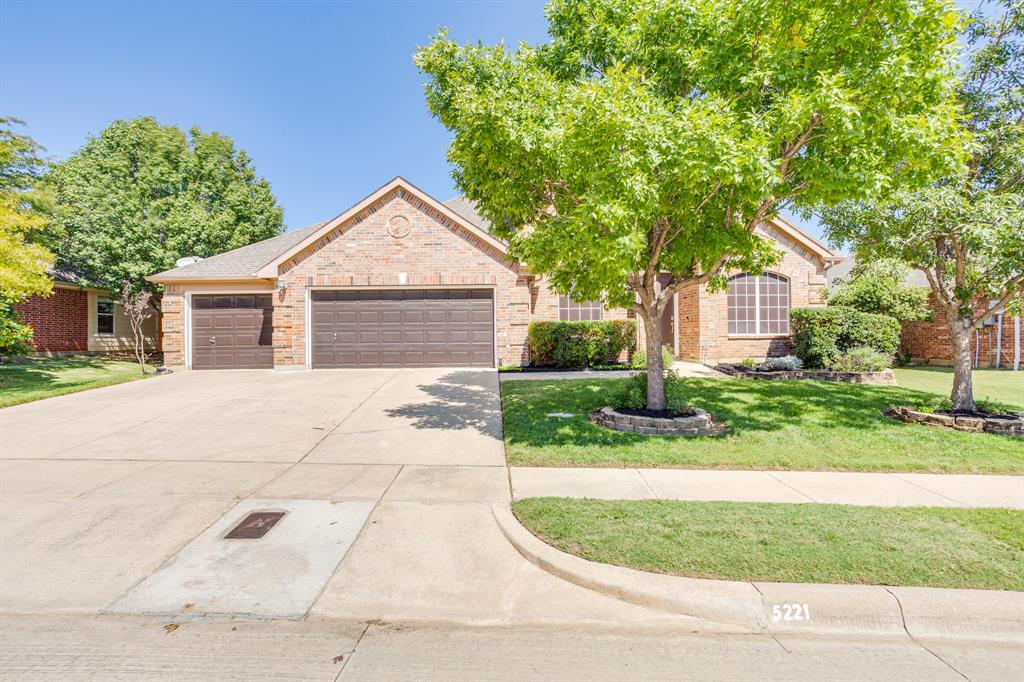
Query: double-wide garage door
x,y
403,328
233,332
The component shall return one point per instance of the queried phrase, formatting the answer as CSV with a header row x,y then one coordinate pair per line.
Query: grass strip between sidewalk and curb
x,y
38,378
796,425
792,543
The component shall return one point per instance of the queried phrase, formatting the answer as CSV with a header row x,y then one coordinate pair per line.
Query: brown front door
x,y
233,332
403,328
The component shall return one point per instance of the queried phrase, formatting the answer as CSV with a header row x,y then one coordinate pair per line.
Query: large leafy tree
x,y
881,287
655,137
965,232
140,195
24,260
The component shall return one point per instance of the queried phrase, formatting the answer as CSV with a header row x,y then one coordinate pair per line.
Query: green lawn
x,y
774,425
803,543
997,384
38,378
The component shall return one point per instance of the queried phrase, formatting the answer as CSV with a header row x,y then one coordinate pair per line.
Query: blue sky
x,y
322,95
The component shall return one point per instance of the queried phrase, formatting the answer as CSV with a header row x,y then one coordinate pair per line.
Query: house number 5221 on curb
x,y
790,612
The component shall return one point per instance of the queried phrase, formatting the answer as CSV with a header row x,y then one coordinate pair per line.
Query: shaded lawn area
x,y
773,425
38,378
997,384
801,543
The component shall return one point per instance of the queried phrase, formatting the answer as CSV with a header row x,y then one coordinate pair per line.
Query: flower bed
x,y
882,378
693,422
1010,424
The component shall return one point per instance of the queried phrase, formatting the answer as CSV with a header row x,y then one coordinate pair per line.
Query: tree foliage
x,y
965,232
652,136
140,195
24,261
880,287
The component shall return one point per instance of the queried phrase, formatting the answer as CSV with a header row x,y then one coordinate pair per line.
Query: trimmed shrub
x,y
750,363
784,363
579,344
861,359
640,358
821,335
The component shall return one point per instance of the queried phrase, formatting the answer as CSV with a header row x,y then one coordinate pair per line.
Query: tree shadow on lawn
x,y
42,373
747,406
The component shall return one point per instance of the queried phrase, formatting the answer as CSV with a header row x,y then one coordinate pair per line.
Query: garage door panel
x,y
232,332
398,327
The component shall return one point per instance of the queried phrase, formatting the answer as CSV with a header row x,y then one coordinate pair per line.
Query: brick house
x,y
997,344
402,279
78,317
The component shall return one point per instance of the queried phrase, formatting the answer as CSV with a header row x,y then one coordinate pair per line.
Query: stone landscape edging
x,y
835,609
699,423
885,377
1001,427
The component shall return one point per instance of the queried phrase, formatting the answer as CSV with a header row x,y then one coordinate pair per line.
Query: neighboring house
x,y
997,344
78,317
401,279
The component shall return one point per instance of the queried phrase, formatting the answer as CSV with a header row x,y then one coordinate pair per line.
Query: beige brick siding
x,y
437,252
172,320
704,316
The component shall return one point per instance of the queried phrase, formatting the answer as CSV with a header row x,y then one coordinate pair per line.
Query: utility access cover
x,y
255,525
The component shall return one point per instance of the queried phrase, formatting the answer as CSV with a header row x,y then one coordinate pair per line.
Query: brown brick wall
x,y
930,341
172,321
60,321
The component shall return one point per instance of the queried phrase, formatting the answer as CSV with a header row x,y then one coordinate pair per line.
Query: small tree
x,y
880,287
653,137
137,304
966,232
24,260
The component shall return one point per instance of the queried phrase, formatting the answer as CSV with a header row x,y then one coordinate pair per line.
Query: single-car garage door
x,y
403,328
233,332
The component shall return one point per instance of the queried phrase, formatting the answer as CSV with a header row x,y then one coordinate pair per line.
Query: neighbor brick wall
x,y
437,252
60,321
704,316
930,341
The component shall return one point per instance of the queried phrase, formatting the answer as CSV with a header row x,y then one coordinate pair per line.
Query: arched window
x,y
759,304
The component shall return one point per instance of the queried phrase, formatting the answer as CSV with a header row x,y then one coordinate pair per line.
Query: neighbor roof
x,y
842,270
467,209
240,263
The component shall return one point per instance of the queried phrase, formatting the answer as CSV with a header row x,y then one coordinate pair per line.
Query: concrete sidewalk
x,y
869,489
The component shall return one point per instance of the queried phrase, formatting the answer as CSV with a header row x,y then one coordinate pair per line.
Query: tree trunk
x,y
655,370
962,394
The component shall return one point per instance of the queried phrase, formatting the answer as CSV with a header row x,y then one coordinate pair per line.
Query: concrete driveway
x,y
117,500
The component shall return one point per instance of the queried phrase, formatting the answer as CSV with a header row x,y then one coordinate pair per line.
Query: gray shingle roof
x,y
842,270
242,262
467,209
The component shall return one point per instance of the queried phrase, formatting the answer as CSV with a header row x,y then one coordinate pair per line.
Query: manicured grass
x,y
35,379
774,425
997,384
803,543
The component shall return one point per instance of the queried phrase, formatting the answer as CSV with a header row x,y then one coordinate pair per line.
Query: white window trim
x,y
758,334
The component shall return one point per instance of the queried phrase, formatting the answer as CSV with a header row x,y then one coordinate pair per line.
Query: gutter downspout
x,y
1016,343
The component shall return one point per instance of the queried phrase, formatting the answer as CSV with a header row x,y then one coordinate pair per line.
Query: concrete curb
x,y
866,610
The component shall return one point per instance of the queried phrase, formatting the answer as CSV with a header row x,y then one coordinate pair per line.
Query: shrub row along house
x,y
998,344
402,279
78,316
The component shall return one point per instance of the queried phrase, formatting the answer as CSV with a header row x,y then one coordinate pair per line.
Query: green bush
x,y
861,359
821,335
15,336
634,393
579,344
640,358
750,363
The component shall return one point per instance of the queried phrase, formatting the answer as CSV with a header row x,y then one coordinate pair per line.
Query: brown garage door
x,y
403,328
232,332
